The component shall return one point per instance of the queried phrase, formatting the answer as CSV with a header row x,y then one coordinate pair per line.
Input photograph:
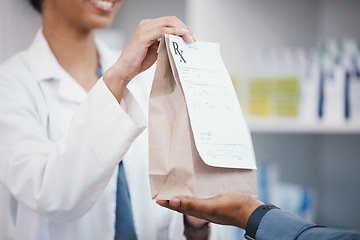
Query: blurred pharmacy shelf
x,y
263,44
293,126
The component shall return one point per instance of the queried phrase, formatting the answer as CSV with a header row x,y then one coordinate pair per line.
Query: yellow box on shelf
x,y
270,96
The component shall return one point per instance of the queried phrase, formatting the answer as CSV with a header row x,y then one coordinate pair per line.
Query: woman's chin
x,y
100,22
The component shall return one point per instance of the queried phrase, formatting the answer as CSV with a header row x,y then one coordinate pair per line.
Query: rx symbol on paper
x,y
178,52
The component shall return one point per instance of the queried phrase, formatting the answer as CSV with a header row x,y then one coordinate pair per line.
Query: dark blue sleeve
x,y
281,225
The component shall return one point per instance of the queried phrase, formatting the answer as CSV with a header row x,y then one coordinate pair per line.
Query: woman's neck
x,y
75,50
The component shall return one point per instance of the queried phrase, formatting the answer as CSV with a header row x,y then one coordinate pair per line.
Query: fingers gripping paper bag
x,y
199,143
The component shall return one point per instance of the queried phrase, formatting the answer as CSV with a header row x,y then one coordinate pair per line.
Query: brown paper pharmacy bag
x,y
175,167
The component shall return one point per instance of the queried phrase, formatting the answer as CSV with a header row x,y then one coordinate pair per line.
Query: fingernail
x,y
174,202
195,38
191,39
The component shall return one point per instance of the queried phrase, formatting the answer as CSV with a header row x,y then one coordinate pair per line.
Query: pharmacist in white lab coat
x,y
63,132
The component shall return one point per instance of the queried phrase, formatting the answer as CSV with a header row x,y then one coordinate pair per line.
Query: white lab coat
x,y
60,148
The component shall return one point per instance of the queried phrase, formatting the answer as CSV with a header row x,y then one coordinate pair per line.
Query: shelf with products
x,y
295,126
299,91
277,53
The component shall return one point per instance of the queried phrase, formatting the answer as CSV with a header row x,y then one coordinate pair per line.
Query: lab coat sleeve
x,y
63,180
282,225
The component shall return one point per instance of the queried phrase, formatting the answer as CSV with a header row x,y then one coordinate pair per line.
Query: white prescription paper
x,y
220,131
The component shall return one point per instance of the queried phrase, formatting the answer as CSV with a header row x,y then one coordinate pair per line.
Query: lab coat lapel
x,y
70,89
45,67
47,70
42,62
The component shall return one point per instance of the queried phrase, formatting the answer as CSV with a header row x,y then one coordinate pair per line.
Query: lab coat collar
x,y
45,67
42,61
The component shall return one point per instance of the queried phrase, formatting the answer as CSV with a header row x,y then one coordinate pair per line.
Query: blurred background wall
x,y
307,166
317,155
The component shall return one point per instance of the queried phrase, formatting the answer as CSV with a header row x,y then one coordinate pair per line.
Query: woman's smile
x,y
103,5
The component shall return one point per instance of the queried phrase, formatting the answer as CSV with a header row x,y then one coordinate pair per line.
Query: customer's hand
x,y
141,51
227,209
